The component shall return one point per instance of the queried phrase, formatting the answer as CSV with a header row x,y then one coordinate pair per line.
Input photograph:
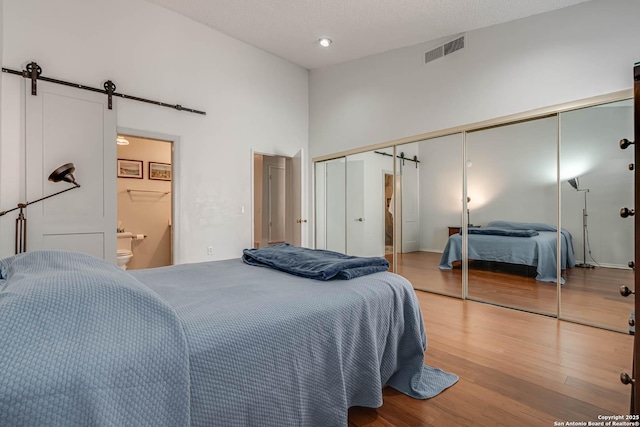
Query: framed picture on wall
x,y
130,169
161,171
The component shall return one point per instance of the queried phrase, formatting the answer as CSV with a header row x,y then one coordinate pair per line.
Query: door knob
x,y
631,166
626,379
360,219
625,212
632,265
625,291
624,143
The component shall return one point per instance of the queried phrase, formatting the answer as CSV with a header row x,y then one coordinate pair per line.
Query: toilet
x,y
124,249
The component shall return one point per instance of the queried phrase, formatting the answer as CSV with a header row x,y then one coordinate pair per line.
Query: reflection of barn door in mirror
x,y
67,125
276,198
407,187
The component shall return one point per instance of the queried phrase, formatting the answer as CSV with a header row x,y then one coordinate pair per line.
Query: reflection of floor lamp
x,y
63,173
576,184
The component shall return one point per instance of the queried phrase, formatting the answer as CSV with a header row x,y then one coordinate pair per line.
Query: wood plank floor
x,y
515,369
589,296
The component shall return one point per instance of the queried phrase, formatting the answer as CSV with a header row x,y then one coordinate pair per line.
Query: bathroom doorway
x,y
145,175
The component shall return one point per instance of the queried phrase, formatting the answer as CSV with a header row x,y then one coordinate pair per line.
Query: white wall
x,y
253,100
566,55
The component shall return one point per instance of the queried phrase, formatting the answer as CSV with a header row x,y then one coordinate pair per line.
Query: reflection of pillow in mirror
x,y
512,225
497,231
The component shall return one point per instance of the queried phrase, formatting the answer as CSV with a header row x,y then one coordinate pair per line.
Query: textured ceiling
x,y
358,28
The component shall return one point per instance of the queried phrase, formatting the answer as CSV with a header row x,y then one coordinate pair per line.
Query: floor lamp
x,y
576,185
63,173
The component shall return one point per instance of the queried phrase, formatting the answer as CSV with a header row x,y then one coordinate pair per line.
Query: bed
x,y
214,343
530,244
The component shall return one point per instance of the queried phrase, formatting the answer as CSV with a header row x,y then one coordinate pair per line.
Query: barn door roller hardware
x,y
34,72
401,157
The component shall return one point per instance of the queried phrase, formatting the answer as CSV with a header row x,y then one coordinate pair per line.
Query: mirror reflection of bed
x,y
532,172
512,174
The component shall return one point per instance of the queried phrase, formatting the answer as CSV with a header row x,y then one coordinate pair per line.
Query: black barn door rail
x,y
34,73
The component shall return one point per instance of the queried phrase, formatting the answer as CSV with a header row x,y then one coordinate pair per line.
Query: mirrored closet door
x,y
512,214
476,214
369,195
428,211
595,182
330,188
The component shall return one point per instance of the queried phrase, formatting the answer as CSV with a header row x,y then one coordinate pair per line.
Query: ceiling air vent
x,y
434,54
452,46
444,50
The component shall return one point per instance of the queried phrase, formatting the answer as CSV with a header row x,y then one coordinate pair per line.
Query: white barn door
x,y
68,125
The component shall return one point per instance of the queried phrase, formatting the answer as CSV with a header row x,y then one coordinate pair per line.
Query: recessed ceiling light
x,y
325,42
120,140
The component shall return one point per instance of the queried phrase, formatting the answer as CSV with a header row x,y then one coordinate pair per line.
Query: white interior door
x,y
68,125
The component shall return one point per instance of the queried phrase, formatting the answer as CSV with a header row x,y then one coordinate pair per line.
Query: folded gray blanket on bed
x,y
499,231
315,264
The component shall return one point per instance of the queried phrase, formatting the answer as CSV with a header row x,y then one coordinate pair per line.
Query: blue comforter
x,y
313,263
217,343
537,250
83,343
272,349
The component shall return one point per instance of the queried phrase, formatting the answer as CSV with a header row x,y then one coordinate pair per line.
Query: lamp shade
x,y
574,183
64,173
